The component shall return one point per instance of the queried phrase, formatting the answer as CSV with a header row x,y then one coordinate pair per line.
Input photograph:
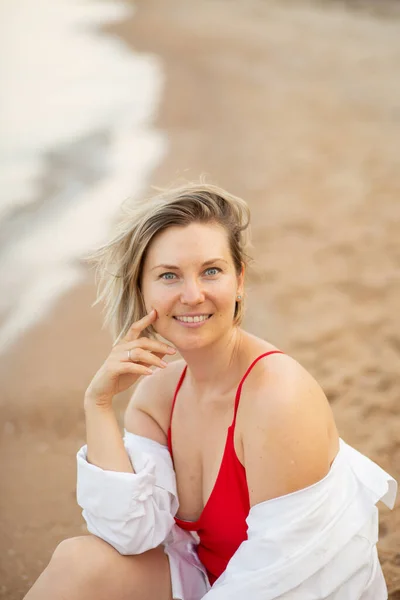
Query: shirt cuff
x,y
112,494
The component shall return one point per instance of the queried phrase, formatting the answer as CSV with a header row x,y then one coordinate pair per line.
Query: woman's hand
x,y
121,370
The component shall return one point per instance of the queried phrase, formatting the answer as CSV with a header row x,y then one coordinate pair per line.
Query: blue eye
x,y
215,269
167,276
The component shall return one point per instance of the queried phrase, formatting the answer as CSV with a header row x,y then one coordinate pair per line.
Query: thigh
x,y
86,567
140,577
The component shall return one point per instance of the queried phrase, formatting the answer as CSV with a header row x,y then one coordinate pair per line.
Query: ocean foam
x,y
61,82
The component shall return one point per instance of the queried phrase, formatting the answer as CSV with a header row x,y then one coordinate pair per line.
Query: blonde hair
x,y
119,262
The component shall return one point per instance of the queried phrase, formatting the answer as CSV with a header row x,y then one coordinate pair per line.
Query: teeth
x,y
195,319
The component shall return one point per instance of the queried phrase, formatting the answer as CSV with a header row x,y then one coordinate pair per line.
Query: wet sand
x,y
297,109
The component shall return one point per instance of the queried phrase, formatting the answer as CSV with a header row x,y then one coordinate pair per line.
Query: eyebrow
x,y
208,262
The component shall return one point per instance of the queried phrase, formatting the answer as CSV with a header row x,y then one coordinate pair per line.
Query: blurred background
x,y
293,105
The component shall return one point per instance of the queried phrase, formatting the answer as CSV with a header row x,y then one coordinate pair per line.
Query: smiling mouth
x,y
195,319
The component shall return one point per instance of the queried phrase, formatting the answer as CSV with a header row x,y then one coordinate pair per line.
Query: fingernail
x,y
165,364
149,372
171,351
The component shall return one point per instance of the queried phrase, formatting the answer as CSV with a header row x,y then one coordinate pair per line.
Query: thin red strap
x,y
239,390
178,387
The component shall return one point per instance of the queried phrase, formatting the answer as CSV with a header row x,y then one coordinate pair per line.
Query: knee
x,y
85,556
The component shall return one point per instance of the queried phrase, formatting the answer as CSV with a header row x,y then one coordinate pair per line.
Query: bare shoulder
x,y
279,383
287,428
149,409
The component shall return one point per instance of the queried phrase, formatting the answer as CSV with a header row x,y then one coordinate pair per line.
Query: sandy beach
x,y
295,107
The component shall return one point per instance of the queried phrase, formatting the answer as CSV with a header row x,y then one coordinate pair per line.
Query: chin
x,y
186,340
187,345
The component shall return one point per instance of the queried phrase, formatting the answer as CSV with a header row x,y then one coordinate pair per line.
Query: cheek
x,y
150,297
224,300
160,298
227,293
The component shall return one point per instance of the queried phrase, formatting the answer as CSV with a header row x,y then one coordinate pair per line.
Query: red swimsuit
x,y
222,524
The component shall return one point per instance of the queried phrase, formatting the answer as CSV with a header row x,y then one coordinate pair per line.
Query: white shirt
x,y
318,542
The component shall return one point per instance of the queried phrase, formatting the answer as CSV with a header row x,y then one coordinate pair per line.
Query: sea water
x,y
76,140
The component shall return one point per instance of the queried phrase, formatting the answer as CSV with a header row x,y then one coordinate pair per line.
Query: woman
x,y
231,481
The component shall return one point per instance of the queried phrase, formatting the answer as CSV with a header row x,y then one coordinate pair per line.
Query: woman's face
x,y
190,279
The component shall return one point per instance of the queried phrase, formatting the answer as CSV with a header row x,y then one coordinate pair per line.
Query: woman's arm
x,y
134,512
105,447
104,441
132,509
127,487
128,360
312,529
288,434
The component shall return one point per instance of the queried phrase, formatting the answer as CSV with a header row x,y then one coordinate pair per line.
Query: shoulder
x,y
287,428
153,397
277,385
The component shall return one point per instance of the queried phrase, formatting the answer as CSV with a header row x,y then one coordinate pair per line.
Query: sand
x,y
295,107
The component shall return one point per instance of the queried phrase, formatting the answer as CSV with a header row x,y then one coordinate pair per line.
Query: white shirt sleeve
x,y
319,542
133,512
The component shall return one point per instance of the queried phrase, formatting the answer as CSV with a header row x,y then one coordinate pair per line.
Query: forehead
x,y
197,240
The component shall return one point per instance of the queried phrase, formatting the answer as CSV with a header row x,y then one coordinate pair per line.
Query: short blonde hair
x,y
119,262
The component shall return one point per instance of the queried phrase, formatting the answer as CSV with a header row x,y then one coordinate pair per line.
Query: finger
x,y
138,326
138,355
151,345
132,368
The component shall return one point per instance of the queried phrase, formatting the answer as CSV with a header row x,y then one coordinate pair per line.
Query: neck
x,y
213,368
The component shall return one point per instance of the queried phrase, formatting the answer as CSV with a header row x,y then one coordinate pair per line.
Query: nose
x,y
192,293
